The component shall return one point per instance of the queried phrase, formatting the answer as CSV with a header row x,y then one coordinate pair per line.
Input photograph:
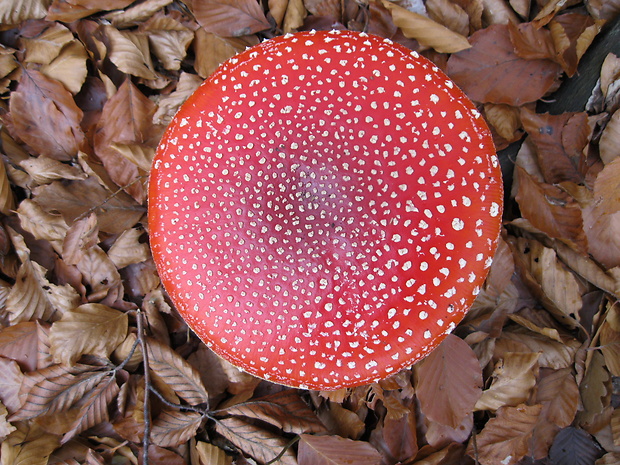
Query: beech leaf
x,y
505,438
491,71
230,18
176,372
261,444
573,446
285,410
46,117
449,382
334,450
91,328
172,428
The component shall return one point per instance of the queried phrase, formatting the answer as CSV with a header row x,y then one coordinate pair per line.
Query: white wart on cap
x,y
324,209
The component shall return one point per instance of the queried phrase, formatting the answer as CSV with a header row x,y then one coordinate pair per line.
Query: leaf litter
x,y
98,367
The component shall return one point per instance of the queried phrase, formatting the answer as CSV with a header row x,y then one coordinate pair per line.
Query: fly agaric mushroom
x,y
324,209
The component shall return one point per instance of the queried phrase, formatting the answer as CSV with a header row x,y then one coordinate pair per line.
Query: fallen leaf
x,y
91,328
514,377
259,443
173,427
573,445
505,438
426,31
177,373
491,72
449,382
334,450
230,18
46,117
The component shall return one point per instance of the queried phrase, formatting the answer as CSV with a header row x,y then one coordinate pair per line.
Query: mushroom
x,y
324,209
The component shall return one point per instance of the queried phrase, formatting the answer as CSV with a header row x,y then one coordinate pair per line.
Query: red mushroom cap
x,y
324,209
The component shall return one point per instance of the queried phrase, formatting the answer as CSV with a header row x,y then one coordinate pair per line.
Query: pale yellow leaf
x,y
7,201
44,170
208,454
40,224
28,445
426,31
138,154
295,15
514,377
13,12
69,67
169,104
88,329
46,46
130,52
170,46
6,428
128,249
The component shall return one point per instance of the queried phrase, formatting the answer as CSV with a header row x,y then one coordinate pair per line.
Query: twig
x,y
475,445
203,412
147,388
290,444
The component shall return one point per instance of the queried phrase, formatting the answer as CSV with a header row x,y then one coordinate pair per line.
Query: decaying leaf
x,y
91,328
325,450
260,443
232,18
449,382
505,438
176,372
173,427
491,71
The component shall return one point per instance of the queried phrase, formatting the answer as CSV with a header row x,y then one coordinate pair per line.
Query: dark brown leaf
x,y
285,410
491,72
261,444
230,18
449,382
172,428
46,117
334,450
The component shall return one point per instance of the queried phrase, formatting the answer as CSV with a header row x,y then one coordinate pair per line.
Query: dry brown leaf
x,y
169,104
169,40
551,210
531,42
47,44
342,421
491,72
5,427
44,170
559,394
295,14
69,67
13,12
46,117
396,436
136,13
81,236
550,10
128,249
173,427
176,372
334,450
100,273
41,224
91,328
28,445
208,454
20,343
553,354
439,436
230,18
261,444
505,120
7,200
130,52
211,50
498,12
57,388
610,139
505,438
115,212
426,31
595,389
10,384
572,34
514,377
450,14
284,410
127,118
610,347
449,382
